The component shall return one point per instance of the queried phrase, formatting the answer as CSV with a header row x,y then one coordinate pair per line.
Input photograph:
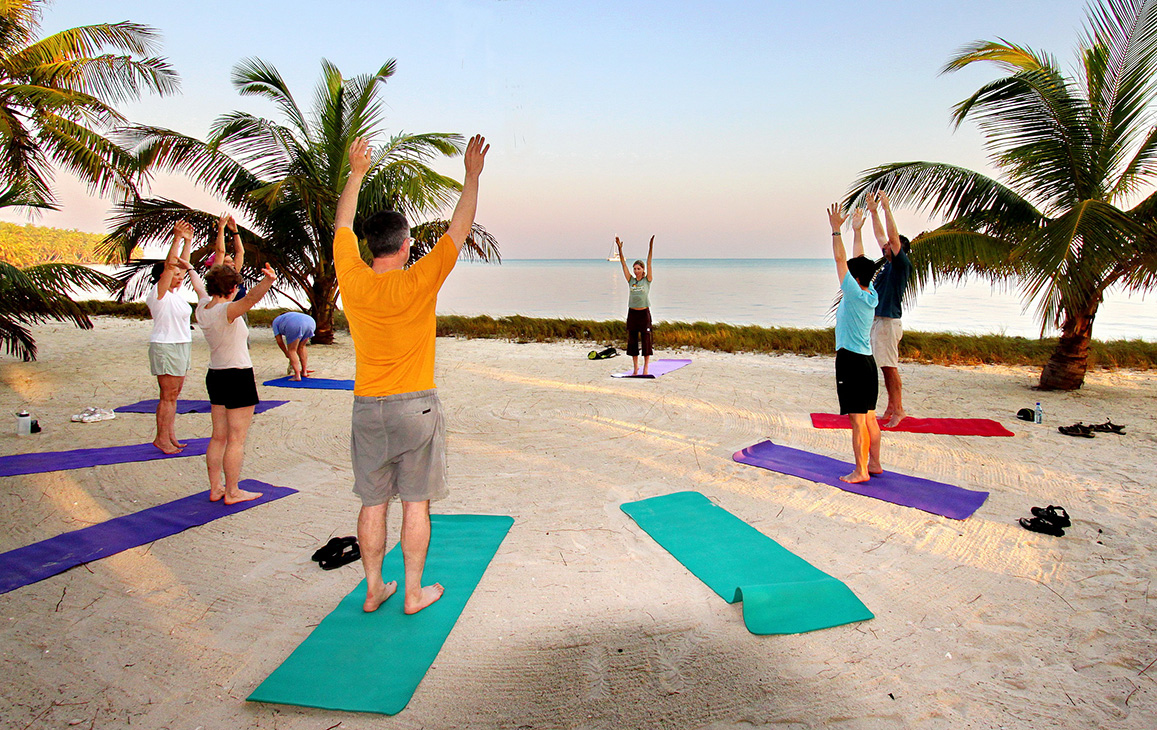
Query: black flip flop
x,y
1077,429
349,553
1109,427
1038,524
332,547
1054,513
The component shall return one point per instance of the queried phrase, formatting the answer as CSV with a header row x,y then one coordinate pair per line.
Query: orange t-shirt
x,y
391,316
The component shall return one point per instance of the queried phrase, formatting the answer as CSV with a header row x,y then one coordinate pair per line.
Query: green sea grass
x,y
940,348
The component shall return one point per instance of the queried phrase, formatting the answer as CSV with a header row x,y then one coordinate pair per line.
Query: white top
x,y
170,317
228,342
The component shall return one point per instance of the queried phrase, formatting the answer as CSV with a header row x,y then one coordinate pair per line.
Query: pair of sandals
x,y
337,552
1049,520
1083,431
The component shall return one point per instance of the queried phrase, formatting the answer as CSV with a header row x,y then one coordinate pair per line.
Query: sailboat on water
x,y
614,256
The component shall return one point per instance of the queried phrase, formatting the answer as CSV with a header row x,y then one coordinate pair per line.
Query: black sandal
x,y
1038,524
1054,513
333,547
1077,429
349,552
1109,427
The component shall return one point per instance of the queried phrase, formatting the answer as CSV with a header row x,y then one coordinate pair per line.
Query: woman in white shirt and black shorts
x,y
230,382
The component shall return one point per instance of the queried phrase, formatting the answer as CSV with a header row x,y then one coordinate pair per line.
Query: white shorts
x,y
886,335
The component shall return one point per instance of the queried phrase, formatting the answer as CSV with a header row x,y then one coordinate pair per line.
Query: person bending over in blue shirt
x,y
856,382
292,331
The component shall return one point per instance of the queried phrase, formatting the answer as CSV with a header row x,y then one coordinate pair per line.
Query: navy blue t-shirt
x,y
890,283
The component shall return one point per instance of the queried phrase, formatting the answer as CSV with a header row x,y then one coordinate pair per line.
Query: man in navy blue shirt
x,y
889,284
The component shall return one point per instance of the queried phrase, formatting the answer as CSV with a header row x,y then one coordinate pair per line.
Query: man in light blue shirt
x,y
856,380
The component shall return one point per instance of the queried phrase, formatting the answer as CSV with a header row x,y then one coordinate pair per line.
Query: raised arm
x,y
623,261
873,201
347,204
171,259
254,295
219,245
463,219
194,278
836,218
857,235
238,248
893,233
650,251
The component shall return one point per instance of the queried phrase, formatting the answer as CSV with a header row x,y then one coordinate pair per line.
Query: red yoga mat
x,y
947,426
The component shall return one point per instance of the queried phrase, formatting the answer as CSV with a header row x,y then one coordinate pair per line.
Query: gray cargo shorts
x,y
398,445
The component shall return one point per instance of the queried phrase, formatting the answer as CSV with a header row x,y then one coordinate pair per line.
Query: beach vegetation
x,y
37,294
1073,212
26,245
57,102
285,175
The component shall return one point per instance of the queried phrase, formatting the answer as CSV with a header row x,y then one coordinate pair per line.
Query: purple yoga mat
x,y
191,406
924,494
657,368
44,559
311,383
18,464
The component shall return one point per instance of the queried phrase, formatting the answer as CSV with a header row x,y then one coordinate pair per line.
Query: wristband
x,y
836,233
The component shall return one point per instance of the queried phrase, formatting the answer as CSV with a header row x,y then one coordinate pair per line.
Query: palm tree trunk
x,y
322,294
1066,367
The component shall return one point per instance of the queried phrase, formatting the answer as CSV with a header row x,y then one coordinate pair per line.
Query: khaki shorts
x,y
886,335
398,445
170,358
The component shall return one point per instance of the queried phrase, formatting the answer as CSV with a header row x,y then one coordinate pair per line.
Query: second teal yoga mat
x,y
373,662
781,592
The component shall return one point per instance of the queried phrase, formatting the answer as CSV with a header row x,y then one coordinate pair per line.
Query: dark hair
x,y
905,244
385,232
221,280
639,262
862,269
156,271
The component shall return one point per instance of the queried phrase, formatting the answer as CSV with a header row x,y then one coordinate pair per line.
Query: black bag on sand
x,y
602,354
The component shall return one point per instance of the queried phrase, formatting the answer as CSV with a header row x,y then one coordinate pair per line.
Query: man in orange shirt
x,y
398,440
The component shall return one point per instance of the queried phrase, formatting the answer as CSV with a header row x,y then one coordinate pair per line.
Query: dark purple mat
x,y
311,383
18,464
32,563
191,406
655,369
924,494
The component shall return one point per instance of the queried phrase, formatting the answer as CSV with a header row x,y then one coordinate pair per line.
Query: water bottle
x,y
23,423
1039,416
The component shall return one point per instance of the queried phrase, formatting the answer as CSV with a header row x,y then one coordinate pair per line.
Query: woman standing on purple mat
x,y
171,341
639,308
230,382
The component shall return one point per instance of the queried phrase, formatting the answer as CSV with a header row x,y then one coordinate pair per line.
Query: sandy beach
x,y
582,620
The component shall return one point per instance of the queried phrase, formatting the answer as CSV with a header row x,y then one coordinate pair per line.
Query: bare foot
x,y
874,466
634,373
895,419
855,478
167,447
295,377
377,598
216,495
645,371
173,440
240,496
429,595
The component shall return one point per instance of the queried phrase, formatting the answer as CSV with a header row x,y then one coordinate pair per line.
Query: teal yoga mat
x,y
781,592
373,662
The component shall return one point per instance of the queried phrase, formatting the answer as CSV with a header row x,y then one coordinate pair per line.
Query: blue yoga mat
x,y
32,563
311,383
373,662
191,406
19,464
781,592
656,368
923,494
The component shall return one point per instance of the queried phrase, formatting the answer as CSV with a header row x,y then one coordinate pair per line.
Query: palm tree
x,y
1071,152
56,101
37,294
286,179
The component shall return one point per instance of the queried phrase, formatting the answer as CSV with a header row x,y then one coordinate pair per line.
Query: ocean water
x,y
766,292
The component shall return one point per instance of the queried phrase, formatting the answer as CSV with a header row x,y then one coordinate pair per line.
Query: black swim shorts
x,y
232,387
856,382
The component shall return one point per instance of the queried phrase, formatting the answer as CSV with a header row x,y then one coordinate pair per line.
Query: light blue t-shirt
x,y
294,326
640,297
854,317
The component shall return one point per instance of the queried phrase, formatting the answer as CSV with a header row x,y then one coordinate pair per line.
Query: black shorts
x,y
232,387
856,382
639,328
